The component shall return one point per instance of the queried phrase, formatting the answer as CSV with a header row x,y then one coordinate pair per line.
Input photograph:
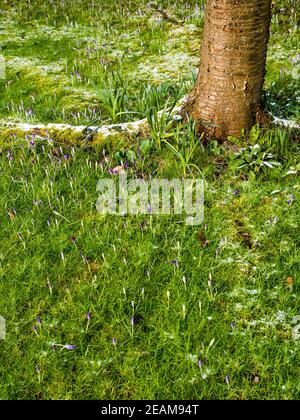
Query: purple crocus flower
x,y
200,363
236,192
227,379
174,262
232,325
89,315
73,239
114,341
66,156
132,321
69,346
291,199
143,225
39,321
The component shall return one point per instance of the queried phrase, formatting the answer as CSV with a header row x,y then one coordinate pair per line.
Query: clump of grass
x,y
113,96
185,146
269,152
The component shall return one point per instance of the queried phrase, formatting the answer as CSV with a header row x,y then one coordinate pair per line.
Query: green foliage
x,y
282,97
279,142
254,159
266,152
185,145
160,123
113,96
209,302
145,147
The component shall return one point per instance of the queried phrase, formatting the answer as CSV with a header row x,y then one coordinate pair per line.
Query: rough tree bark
x,y
227,95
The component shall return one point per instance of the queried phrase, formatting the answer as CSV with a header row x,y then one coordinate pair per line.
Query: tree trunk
x,y
227,95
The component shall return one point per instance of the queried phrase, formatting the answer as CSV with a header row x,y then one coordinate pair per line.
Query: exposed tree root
x,y
264,118
94,135
286,123
78,134
74,134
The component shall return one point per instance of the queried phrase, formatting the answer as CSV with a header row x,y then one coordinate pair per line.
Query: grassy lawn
x,y
142,307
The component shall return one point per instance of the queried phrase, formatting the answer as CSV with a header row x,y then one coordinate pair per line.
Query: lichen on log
x,y
76,134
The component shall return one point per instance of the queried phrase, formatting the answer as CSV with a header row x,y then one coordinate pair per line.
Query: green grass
x,y
231,296
60,56
116,269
